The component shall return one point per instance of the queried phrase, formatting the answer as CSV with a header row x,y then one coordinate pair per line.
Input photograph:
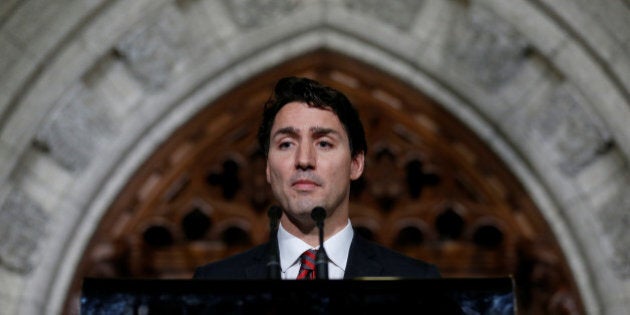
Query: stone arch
x,y
396,116
581,196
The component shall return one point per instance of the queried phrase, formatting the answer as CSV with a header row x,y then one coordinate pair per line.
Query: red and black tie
x,y
307,269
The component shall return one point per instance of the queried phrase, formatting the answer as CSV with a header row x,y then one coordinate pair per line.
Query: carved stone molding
x,y
577,135
255,13
490,49
75,129
151,50
22,225
400,13
615,219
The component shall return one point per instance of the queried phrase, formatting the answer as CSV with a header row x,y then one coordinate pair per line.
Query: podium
x,y
360,296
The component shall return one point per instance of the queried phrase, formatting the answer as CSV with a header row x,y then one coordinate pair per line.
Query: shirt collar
x,y
337,247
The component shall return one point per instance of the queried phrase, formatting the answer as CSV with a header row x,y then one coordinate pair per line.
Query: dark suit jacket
x,y
365,259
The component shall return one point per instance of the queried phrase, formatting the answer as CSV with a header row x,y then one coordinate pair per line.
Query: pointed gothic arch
x,y
432,189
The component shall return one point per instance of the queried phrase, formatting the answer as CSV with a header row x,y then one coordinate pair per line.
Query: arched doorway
x,y
432,189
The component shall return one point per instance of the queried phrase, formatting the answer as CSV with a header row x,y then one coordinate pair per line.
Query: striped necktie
x,y
307,267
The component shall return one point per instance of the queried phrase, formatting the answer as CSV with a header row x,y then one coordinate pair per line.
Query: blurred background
x,y
498,138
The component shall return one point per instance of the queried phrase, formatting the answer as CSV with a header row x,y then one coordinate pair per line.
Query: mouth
x,y
304,185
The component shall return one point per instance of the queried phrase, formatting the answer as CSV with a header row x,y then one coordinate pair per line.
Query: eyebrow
x,y
291,131
316,131
321,131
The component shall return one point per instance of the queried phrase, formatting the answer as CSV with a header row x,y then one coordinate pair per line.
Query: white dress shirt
x,y
337,248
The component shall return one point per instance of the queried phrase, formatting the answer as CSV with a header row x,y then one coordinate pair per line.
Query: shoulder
x,y
232,267
394,263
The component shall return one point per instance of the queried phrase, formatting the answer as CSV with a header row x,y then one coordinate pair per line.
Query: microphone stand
x,y
273,265
321,258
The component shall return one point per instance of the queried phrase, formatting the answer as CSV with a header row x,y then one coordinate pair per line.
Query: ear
x,y
356,166
267,173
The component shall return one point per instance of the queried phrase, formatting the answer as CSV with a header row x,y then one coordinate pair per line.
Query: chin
x,y
305,207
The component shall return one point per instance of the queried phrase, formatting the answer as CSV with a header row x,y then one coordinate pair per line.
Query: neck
x,y
310,233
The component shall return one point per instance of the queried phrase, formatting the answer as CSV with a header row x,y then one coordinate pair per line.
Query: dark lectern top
x,y
366,296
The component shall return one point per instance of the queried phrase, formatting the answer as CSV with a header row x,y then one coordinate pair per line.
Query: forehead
x,y
301,116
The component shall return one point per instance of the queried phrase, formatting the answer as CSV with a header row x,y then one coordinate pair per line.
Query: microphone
x,y
273,265
318,214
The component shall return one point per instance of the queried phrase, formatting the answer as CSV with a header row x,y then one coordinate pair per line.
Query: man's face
x,y
309,162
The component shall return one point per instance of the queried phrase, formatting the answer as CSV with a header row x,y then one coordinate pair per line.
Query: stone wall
x,y
89,88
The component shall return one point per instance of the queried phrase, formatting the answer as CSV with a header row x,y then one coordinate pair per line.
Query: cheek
x,y
275,172
339,172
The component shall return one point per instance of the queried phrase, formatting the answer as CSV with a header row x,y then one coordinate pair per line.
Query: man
x,y
315,146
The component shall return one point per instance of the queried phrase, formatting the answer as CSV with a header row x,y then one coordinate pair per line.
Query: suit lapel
x,y
257,267
361,260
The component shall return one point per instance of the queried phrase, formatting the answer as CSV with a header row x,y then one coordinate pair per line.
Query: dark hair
x,y
313,93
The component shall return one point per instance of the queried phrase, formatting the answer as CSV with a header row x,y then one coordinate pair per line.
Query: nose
x,y
305,157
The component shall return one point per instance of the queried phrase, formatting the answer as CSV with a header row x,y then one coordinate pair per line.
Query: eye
x,y
325,144
284,145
